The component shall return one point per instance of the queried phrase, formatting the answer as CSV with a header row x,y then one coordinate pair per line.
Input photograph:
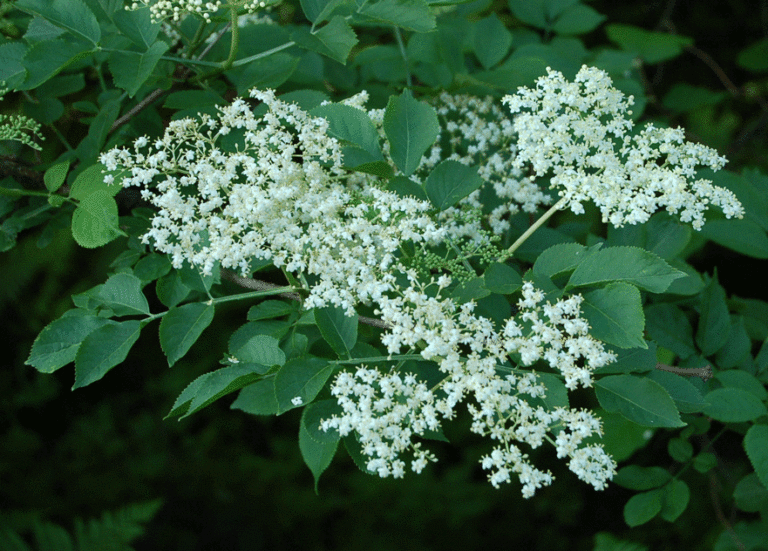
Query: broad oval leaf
x,y
640,400
317,453
502,279
756,446
734,405
258,398
615,315
94,221
58,342
449,182
181,327
411,127
338,329
300,379
643,507
103,349
122,294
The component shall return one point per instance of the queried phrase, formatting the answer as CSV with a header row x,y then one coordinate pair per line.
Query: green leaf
x,y
714,321
94,221
633,360
615,315
532,12
755,56
653,47
670,328
629,264
578,19
257,398
743,236
640,400
750,494
208,388
634,477
130,70
170,289
91,180
152,267
122,294
12,71
301,378
270,309
560,259
683,97
474,289
91,146
334,40
58,342
103,349
643,507
318,11
680,449
502,279
413,15
192,277
259,349
666,237
137,26
267,72
411,128
687,397
491,41
734,405
55,176
72,15
317,454
352,125
449,182
338,329
44,60
705,462
675,500
181,327
735,378
621,437
315,413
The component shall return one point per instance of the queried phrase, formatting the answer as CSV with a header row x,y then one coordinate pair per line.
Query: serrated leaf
x,y
208,388
72,15
137,25
270,309
750,494
627,264
411,128
171,290
675,500
643,507
317,454
502,279
635,477
94,221
733,405
103,349
300,378
91,180
152,267
687,397
413,15
449,182
58,342
334,40
55,176
492,41
258,349
130,70
578,19
122,294
559,259
318,10
735,378
714,321
615,315
352,125
338,329
670,328
257,398
632,360
44,60
653,47
640,400
743,236
12,71
181,327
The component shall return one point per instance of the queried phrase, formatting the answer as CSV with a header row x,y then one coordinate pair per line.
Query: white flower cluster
x,y
240,187
575,128
478,134
175,10
387,411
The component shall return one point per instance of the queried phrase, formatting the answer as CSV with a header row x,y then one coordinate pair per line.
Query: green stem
x,y
61,137
535,226
403,53
235,38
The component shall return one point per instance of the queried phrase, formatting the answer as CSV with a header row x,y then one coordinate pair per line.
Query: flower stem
x,y
535,226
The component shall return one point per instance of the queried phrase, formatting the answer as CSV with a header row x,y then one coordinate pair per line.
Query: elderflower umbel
x,y
580,131
388,410
175,10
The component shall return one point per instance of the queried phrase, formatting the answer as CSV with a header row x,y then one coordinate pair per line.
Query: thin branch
x,y
258,285
136,109
704,373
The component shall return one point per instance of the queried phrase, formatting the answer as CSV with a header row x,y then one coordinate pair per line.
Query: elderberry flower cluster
x,y
176,10
581,132
387,410
239,187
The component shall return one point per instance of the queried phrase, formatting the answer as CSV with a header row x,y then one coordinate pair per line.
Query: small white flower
x,y
297,401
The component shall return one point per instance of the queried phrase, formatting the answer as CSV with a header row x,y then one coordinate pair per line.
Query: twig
x,y
143,104
704,373
258,285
